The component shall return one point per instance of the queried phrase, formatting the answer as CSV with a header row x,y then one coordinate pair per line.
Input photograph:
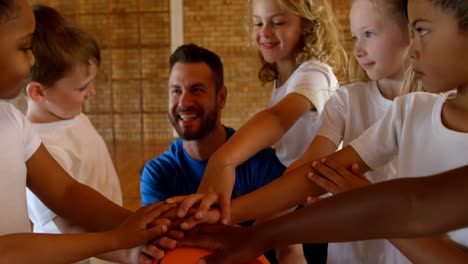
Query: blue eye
x,y
355,39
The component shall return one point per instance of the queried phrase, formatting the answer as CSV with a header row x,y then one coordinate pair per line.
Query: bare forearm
x,y
285,192
47,249
78,203
261,131
404,208
105,214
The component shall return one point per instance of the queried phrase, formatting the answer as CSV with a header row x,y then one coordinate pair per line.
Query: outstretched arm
x,y
78,203
264,129
287,191
68,248
407,207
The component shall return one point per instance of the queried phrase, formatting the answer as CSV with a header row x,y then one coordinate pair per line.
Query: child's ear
x,y
35,92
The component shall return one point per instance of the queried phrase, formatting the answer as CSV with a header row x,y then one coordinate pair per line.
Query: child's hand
x,y
136,229
218,182
211,217
187,204
336,178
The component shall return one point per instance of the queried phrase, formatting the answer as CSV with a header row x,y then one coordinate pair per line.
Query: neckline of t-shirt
x,y
437,117
64,122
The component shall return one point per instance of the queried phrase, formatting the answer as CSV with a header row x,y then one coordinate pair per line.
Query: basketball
x,y
186,255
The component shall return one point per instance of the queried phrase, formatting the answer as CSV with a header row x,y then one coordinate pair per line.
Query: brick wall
x,y
131,100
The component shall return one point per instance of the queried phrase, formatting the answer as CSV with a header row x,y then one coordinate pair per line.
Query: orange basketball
x,y
188,255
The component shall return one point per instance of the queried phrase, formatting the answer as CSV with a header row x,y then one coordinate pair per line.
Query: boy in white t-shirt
x,y
62,79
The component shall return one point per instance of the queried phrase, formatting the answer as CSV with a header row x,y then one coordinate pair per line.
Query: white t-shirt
x,y
81,151
348,113
316,82
414,131
18,143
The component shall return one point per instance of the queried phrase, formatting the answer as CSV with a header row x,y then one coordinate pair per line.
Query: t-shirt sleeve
x,y
31,139
314,83
153,182
40,213
333,118
379,144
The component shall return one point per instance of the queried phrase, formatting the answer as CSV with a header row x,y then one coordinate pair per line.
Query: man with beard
x,y
197,96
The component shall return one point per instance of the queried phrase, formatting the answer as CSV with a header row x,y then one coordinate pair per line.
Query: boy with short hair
x,y
61,80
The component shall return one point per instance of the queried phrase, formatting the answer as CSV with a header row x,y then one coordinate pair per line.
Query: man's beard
x,y
208,124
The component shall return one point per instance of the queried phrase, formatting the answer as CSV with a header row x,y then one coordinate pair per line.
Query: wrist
x,y
220,159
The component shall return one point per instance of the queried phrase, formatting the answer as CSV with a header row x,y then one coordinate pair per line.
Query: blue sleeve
x,y
268,168
154,186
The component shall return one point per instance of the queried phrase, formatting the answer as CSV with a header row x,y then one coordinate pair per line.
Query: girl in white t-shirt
x,y
24,162
298,43
380,33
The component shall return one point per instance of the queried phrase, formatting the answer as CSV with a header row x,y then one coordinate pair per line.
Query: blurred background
x,y
136,38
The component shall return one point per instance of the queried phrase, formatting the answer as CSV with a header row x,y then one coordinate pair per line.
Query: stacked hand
x,y
335,178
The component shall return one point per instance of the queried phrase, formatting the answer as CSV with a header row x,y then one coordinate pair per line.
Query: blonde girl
x,y
380,32
299,45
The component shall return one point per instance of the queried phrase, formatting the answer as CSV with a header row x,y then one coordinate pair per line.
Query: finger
x,y
143,259
189,223
153,211
176,199
327,172
310,200
165,242
324,183
225,204
151,251
155,232
160,221
205,204
189,203
340,169
171,214
175,234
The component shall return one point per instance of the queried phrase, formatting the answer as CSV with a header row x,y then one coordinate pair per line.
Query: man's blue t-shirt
x,y
176,173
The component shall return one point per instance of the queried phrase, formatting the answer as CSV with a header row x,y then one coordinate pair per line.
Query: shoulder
x,y
9,112
355,90
167,159
416,99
